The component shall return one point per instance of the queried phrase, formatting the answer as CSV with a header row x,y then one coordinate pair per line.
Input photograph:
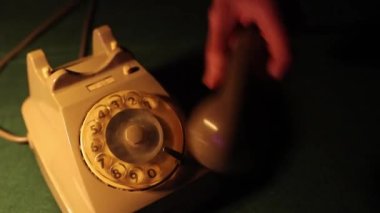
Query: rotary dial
x,y
132,140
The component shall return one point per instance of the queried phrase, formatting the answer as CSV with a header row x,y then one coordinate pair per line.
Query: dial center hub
x,y
134,135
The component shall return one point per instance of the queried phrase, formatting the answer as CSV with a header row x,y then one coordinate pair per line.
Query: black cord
x,y
86,28
45,25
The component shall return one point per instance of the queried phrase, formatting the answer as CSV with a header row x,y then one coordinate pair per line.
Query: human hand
x,y
224,16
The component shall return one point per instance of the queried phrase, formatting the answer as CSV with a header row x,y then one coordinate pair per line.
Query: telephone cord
x,y
45,25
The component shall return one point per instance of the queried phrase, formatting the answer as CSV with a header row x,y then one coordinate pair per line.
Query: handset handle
x,y
212,127
248,54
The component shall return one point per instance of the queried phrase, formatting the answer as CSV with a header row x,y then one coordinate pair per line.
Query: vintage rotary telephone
x,y
106,135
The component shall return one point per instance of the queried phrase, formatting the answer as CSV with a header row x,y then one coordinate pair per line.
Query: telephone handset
x,y
108,138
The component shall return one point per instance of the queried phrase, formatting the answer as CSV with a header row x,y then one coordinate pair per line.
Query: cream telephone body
x,y
108,139
103,130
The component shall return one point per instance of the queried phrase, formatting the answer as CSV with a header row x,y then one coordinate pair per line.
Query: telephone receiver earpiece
x,y
212,127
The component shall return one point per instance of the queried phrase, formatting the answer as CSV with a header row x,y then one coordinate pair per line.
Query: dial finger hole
x,y
95,127
115,102
118,171
153,172
96,145
103,161
149,102
132,99
102,112
136,175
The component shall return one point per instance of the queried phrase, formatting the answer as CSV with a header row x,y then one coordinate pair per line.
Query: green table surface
x,y
330,164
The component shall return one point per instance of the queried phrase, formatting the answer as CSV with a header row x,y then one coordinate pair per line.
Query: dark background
x,y
324,158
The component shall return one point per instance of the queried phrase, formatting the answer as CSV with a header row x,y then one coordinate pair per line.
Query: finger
x,y
214,73
221,24
266,16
